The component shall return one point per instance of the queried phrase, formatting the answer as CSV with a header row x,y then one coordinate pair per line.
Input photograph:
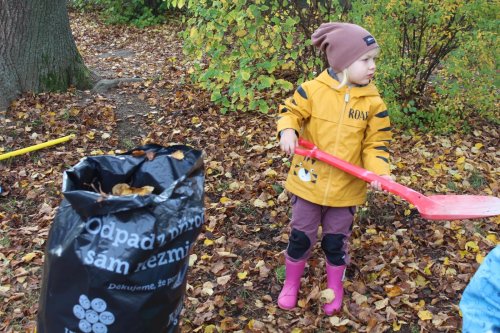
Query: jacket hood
x,y
368,90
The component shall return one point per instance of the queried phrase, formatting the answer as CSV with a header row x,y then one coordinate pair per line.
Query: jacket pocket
x,y
355,118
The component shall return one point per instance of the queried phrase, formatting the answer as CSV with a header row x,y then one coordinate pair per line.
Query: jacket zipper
x,y
347,98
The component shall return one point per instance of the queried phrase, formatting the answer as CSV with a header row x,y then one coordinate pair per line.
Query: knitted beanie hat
x,y
343,43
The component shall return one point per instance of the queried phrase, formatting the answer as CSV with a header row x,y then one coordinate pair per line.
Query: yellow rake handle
x,y
36,147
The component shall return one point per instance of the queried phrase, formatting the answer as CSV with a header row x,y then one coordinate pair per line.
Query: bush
x,y
438,58
467,83
437,63
141,13
249,53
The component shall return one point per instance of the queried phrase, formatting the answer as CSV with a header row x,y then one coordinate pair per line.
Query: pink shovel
x,y
434,207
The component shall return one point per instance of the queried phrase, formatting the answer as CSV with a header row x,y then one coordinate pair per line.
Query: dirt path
x,y
153,56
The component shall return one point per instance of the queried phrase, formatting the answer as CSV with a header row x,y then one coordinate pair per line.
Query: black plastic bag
x,y
119,263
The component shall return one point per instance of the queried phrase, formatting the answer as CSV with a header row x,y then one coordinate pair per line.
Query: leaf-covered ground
x,y
406,275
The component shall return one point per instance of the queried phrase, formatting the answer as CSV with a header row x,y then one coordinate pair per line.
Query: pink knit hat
x,y
343,43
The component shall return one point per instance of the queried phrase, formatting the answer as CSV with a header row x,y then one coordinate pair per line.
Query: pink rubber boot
x,y
334,277
288,295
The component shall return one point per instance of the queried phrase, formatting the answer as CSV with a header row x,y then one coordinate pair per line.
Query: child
x,y
480,303
341,112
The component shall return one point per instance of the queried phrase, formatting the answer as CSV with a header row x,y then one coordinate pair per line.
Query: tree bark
x,y
37,50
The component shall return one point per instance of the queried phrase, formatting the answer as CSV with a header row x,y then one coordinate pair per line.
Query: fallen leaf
x,y
479,258
256,325
259,304
28,257
439,319
421,281
326,296
394,291
192,259
264,271
224,200
210,329
302,303
223,280
471,246
4,288
138,153
226,254
381,303
125,189
207,289
358,298
336,321
259,203
283,197
178,155
424,315
492,238
270,173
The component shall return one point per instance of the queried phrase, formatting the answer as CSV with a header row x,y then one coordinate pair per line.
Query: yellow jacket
x,y
351,123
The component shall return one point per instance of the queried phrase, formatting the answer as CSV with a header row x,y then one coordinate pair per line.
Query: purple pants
x,y
336,225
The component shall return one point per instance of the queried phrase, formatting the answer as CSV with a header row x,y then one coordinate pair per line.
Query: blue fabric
x,y
480,304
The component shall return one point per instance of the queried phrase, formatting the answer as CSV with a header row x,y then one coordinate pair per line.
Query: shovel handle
x,y
35,147
368,176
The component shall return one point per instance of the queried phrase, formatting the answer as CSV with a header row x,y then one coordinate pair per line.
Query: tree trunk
x,y
37,50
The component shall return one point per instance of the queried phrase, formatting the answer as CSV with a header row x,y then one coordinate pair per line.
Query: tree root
x,y
105,84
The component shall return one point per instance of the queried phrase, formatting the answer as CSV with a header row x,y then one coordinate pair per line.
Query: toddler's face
x,y
362,70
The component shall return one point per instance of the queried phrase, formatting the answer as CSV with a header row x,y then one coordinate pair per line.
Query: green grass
x,y
280,274
452,186
245,209
128,144
476,180
245,294
278,188
5,241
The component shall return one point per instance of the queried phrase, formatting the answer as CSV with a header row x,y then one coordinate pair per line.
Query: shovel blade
x,y
456,207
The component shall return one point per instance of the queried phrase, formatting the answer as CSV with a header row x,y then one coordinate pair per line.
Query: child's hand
x,y
288,141
376,184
